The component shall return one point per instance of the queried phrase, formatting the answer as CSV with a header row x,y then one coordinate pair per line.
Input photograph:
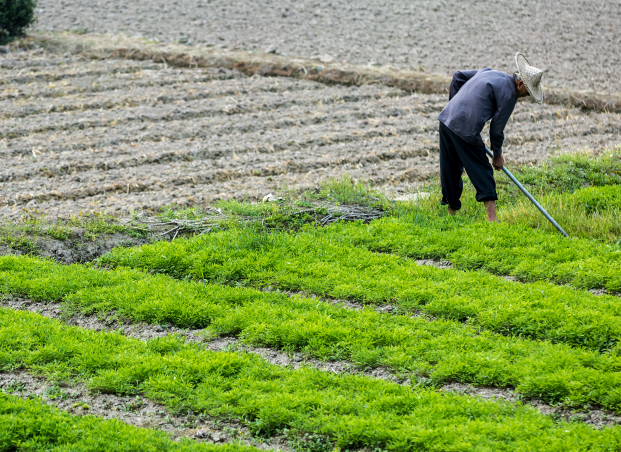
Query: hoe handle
x,y
529,196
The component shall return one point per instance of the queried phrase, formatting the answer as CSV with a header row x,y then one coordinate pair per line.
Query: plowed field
x,y
80,135
576,41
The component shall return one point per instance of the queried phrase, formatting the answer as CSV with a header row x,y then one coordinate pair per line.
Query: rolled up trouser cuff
x,y
488,196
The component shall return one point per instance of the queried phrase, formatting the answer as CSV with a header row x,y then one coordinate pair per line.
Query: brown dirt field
x,y
111,135
577,42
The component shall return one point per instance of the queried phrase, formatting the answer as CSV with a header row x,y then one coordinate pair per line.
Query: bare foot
x,y
490,210
451,211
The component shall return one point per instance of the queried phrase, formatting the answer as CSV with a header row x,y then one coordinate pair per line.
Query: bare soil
x,y
114,135
75,250
575,41
77,400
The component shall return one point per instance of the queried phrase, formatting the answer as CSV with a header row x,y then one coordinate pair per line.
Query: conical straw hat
x,y
531,76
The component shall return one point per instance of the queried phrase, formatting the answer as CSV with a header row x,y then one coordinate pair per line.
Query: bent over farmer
x,y
475,97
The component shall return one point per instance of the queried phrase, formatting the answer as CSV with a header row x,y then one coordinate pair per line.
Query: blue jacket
x,y
475,97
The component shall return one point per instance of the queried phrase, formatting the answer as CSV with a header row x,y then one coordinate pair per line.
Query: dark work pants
x,y
457,154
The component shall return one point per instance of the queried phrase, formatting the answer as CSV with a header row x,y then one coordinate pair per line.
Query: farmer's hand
x,y
498,162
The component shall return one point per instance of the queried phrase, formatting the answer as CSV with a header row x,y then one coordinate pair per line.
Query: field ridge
x,y
265,64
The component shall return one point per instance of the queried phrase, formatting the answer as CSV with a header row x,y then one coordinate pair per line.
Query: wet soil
x,y
77,249
85,238
77,400
575,41
142,412
115,135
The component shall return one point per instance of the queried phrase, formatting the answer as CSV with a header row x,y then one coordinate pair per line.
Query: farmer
x,y
475,97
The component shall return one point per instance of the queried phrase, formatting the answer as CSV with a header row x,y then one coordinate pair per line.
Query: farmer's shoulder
x,y
493,75
481,76
494,80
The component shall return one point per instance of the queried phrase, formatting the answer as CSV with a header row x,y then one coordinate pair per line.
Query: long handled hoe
x,y
529,196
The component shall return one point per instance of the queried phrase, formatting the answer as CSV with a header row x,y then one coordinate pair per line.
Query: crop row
x,y
431,351
521,251
592,212
566,173
347,410
325,262
596,199
31,425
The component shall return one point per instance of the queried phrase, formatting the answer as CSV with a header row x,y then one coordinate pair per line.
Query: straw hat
x,y
531,76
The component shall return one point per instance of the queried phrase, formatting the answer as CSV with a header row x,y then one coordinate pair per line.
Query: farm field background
x,y
150,301
84,135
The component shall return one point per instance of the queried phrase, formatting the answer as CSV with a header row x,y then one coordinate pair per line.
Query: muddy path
x,y
114,135
575,41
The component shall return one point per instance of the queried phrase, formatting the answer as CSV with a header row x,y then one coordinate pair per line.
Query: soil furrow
x,y
37,58
73,70
136,112
252,103
107,85
77,69
261,128
410,137
352,129
229,162
80,106
223,179
77,400
25,195
311,116
196,85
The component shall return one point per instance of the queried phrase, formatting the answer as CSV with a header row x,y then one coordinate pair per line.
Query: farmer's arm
x,y
505,103
459,79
